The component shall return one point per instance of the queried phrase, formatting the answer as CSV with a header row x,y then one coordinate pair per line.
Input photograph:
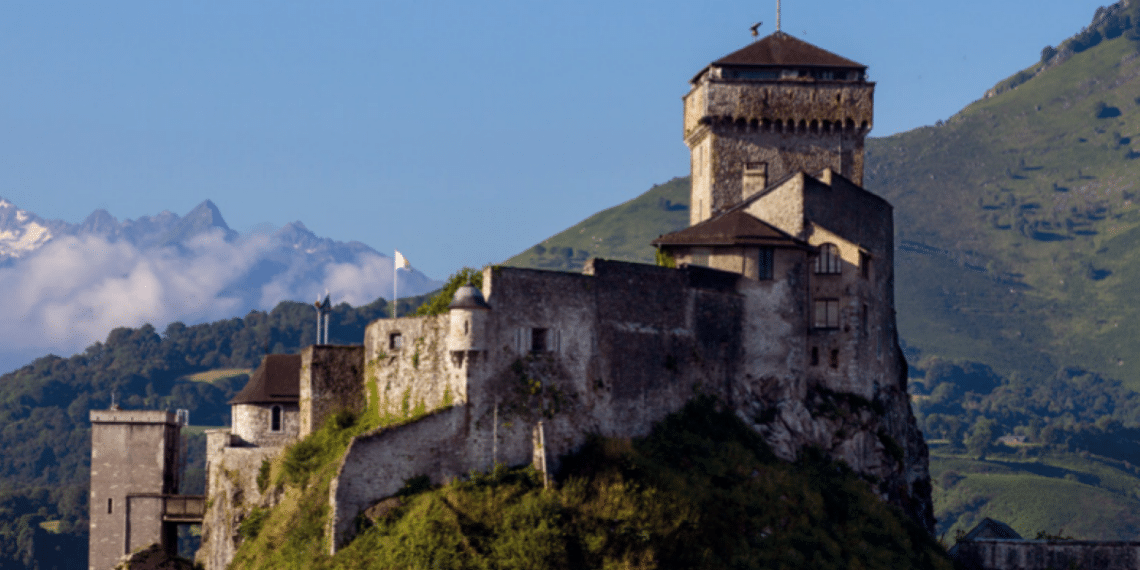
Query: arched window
x,y
828,262
275,419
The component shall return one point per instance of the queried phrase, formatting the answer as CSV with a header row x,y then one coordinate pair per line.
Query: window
x,y
538,340
466,327
835,358
863,323
864,265
825,314
815,356
828,261
764,264
275,419
110,502
699,257
395,341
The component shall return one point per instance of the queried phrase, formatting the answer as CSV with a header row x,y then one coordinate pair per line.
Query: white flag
x,y
402,262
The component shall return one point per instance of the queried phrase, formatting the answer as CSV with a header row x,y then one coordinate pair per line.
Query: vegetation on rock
x,y
701,491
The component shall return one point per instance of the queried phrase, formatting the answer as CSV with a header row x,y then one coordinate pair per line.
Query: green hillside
x,y
46,435
622,232
1078,495
701,491
1018,223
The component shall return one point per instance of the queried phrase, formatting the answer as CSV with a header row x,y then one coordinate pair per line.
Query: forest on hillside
x,y
44,470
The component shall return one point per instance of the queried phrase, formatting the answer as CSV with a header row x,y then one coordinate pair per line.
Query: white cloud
x,y
74,290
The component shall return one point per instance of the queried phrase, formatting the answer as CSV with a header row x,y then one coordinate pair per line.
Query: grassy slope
x,y
622,232
1038,195
701,491
1084,496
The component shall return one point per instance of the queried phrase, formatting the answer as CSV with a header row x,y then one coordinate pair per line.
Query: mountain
x,y
622,232
68,284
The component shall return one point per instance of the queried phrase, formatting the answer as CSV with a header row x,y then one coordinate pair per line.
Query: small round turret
x,y
468,297
469,312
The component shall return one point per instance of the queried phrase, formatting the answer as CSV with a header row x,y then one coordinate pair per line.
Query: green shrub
x,y
251,525
263,475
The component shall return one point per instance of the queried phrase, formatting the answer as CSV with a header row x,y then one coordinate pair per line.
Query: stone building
x,y
993,545
266,412
780,304
134,484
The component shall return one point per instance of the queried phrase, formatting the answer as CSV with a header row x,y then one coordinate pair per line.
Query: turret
x,y
469,312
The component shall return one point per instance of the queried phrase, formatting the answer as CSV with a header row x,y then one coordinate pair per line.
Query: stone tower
x,y
134,478
774,108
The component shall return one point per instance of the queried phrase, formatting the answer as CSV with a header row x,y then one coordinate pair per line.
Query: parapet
x,y
134,417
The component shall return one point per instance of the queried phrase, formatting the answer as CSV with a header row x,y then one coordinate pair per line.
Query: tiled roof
x,y
277,380
733,228
780,49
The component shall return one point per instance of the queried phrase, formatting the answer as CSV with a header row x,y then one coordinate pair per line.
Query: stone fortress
x,y
777,300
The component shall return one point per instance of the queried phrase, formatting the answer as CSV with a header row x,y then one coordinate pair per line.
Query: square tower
x,y
134,468
774,108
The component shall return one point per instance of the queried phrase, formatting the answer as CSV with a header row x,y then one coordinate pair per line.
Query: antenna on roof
x,y
114,406
777,15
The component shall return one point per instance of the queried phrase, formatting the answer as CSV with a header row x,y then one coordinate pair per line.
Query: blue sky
x,y
459,132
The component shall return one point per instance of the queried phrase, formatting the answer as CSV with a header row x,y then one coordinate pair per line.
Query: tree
x,y
981,437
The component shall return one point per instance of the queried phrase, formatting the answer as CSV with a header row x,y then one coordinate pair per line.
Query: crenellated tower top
x,y
774,108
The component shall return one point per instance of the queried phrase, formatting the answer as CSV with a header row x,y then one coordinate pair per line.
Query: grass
x,y
1038,194
701,491
195,430
1086,496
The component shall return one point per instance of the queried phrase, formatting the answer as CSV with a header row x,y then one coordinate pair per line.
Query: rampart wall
x,y
1016,554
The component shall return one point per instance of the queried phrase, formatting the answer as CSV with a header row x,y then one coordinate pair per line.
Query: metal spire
x,y
777,15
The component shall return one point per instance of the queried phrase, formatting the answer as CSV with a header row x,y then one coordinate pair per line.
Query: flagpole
x,y
395,269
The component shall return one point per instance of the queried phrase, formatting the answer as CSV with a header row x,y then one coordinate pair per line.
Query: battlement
x,y
787,107
134,417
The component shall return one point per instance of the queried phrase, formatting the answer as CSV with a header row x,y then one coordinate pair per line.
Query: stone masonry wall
x,y
133,452
378,464
330,381
253,423
417,374
231,486
781,100
999,554
625,346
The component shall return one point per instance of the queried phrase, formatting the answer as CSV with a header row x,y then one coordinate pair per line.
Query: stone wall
x,y
231,486
1010,554
377,464
620,348
133,452
330,381
407,366
253,424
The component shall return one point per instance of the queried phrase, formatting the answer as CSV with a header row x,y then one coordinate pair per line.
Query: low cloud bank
x,y
74,290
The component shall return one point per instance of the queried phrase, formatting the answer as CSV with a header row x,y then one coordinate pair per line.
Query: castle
x,y
778,300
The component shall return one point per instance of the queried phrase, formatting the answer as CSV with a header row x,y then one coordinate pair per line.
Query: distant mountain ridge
x,y
68,284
